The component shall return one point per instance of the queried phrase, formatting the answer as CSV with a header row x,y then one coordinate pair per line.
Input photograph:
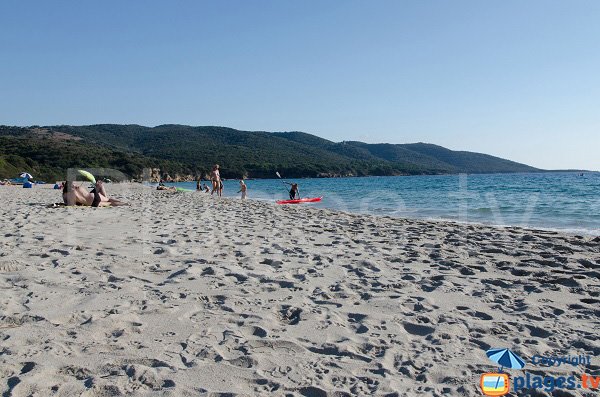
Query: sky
x,y
515,79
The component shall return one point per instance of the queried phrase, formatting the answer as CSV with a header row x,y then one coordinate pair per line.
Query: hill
x,y
186,152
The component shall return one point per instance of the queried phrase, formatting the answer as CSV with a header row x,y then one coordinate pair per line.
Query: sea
x,y
564,201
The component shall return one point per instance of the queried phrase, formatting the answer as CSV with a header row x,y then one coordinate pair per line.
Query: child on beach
x,y
243,189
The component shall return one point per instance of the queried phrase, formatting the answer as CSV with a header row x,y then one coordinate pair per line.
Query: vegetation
x,y
189,152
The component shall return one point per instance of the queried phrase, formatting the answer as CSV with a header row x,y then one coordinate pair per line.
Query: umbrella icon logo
x,y
498,384
505,358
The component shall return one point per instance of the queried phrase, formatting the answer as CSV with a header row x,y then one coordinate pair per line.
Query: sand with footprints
x,y
181,294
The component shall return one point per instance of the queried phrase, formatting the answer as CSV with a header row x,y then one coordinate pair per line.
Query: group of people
x,y
97,197
202,187
217,183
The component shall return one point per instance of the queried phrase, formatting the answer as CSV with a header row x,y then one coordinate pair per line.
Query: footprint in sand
x,y
289,315
418,329
8,266
356,320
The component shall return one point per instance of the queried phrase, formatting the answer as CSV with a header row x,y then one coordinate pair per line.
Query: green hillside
x,y
189,152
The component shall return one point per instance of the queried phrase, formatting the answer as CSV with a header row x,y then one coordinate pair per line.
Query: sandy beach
x,y
181,294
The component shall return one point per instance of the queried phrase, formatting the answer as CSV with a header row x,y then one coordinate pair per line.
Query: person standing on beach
x,y
221,188
215,178
243,189
198,187
294,190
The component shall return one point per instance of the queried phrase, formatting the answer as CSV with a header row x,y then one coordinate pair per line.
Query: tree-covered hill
x,y
189,152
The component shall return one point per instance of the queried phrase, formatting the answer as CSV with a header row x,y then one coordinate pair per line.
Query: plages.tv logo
x,y
498,383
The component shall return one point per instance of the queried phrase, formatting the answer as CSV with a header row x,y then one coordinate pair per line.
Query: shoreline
x,y
392,176
584,233
569,231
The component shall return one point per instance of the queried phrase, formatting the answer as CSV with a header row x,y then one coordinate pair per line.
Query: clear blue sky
x,y
517,79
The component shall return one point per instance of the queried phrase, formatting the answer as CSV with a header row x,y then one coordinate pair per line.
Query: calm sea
x,y
563,201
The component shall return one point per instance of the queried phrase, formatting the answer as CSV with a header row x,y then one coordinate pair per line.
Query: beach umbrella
x,y
26,175
505,358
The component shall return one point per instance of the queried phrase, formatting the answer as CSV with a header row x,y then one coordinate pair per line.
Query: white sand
x,y
185,295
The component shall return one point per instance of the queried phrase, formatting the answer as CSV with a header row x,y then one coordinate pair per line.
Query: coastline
x,y
184,294
449,198
339,176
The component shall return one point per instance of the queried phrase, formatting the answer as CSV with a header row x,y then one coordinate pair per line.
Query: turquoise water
x,y
564,201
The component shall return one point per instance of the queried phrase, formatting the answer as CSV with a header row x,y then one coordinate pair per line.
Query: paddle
x,y
282,181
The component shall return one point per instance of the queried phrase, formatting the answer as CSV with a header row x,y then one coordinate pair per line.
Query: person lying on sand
x,y
161,186
167,188
77,195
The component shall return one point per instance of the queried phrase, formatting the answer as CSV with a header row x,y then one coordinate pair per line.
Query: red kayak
x,y
300,201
